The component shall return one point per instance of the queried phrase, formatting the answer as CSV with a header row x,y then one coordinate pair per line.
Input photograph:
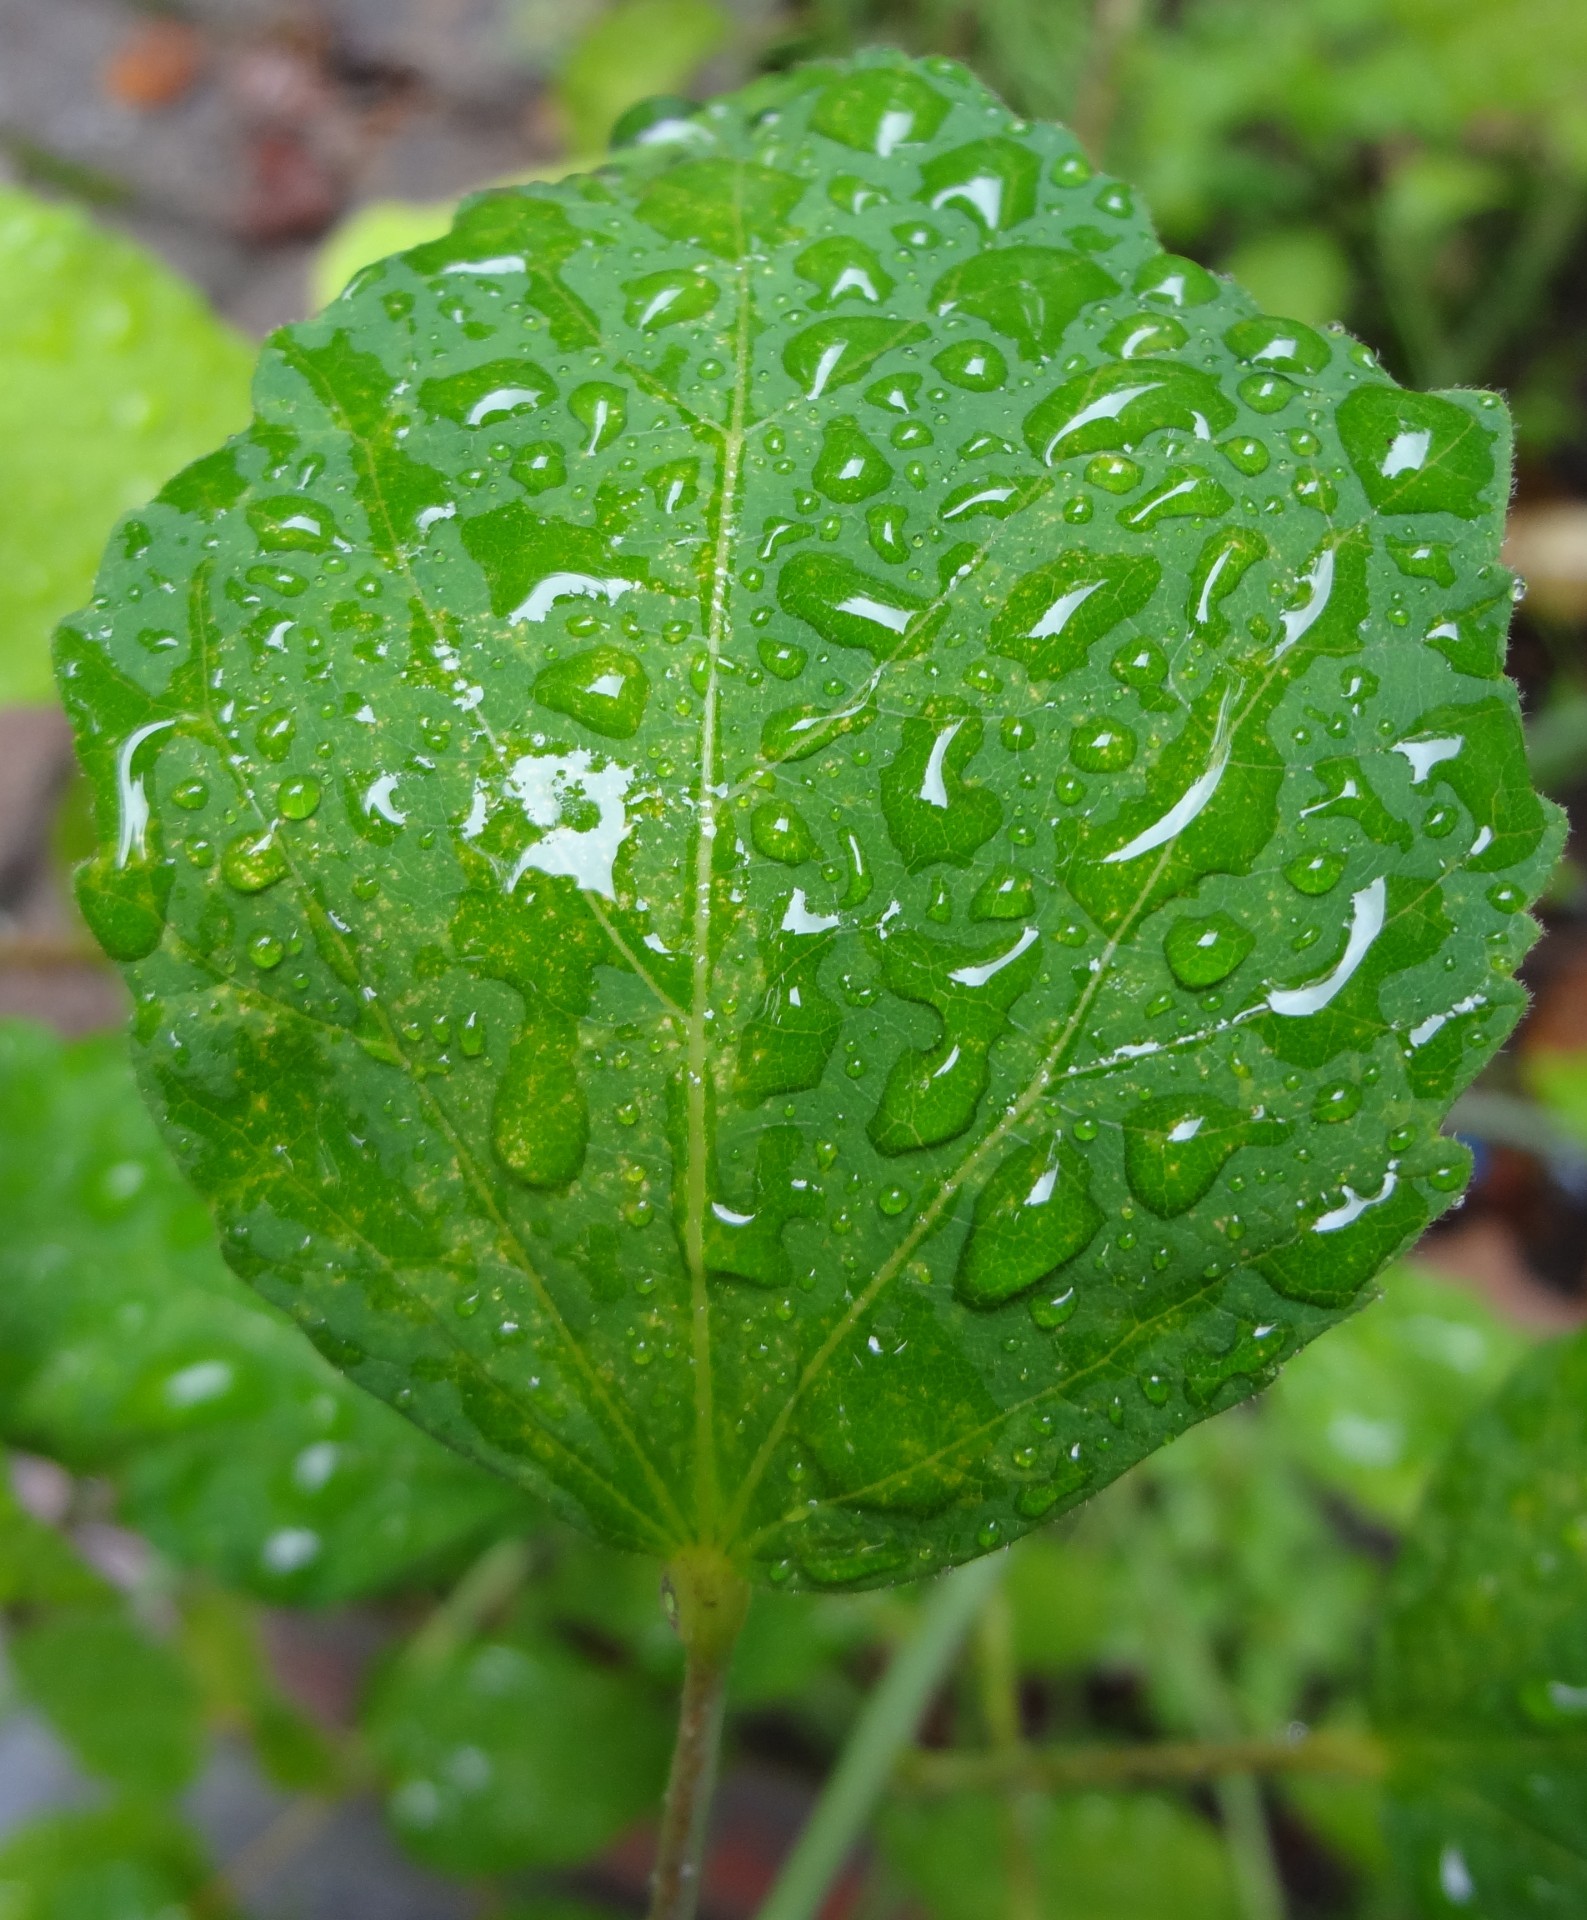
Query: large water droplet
x,y
1417,452
1280,346
657,300
853,608
975,365
849,467
1175,1148
932,1094
780,833
1117,406
845,348
842,268
879,110
253,861
481,396
994,181
1055,615
603,687
1032,1217
933,814
1201,951
1029,294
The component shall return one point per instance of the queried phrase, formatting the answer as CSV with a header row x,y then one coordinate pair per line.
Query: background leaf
x,y
1482,1664
826,837
126,1345
507,1751
115,373
124,1702
1370,1410
1097,1857
114,1863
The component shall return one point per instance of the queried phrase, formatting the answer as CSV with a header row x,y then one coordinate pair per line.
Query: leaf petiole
x,y
709,1599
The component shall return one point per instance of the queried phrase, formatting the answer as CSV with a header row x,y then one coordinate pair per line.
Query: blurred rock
x,y
1547,545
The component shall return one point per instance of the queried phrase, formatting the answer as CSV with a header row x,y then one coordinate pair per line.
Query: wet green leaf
x,y
1370,1410
1097,1857
126,1345
811,869
510,1751
115,372
123,1701
1482,1665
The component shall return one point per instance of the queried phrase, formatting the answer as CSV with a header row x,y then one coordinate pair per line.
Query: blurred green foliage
x,y
115,374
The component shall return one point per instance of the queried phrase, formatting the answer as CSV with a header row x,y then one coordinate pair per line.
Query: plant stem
x,y
1159,1763
886,1726
1000,1709
710,1598
1188,1666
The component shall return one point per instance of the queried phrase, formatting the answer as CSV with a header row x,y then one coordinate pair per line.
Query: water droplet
x,y
1034,1215
845,348
933,814
266,951
253,861
993,181
1338,1101
1267,392
605,688
1417,452
893,1200
1114,472
1054,616
849,467
1175,1148
1102,746
1201,951
298,798
879,109
498,390
657,300
1280,346
1144,333
1006,894
1156,1387
1182,493
539,467
781,833
843,268
1172,281
1115,406
191,794
975,365
1315,874
852,608
1030,295
1245,454
1423,560
1051,1310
